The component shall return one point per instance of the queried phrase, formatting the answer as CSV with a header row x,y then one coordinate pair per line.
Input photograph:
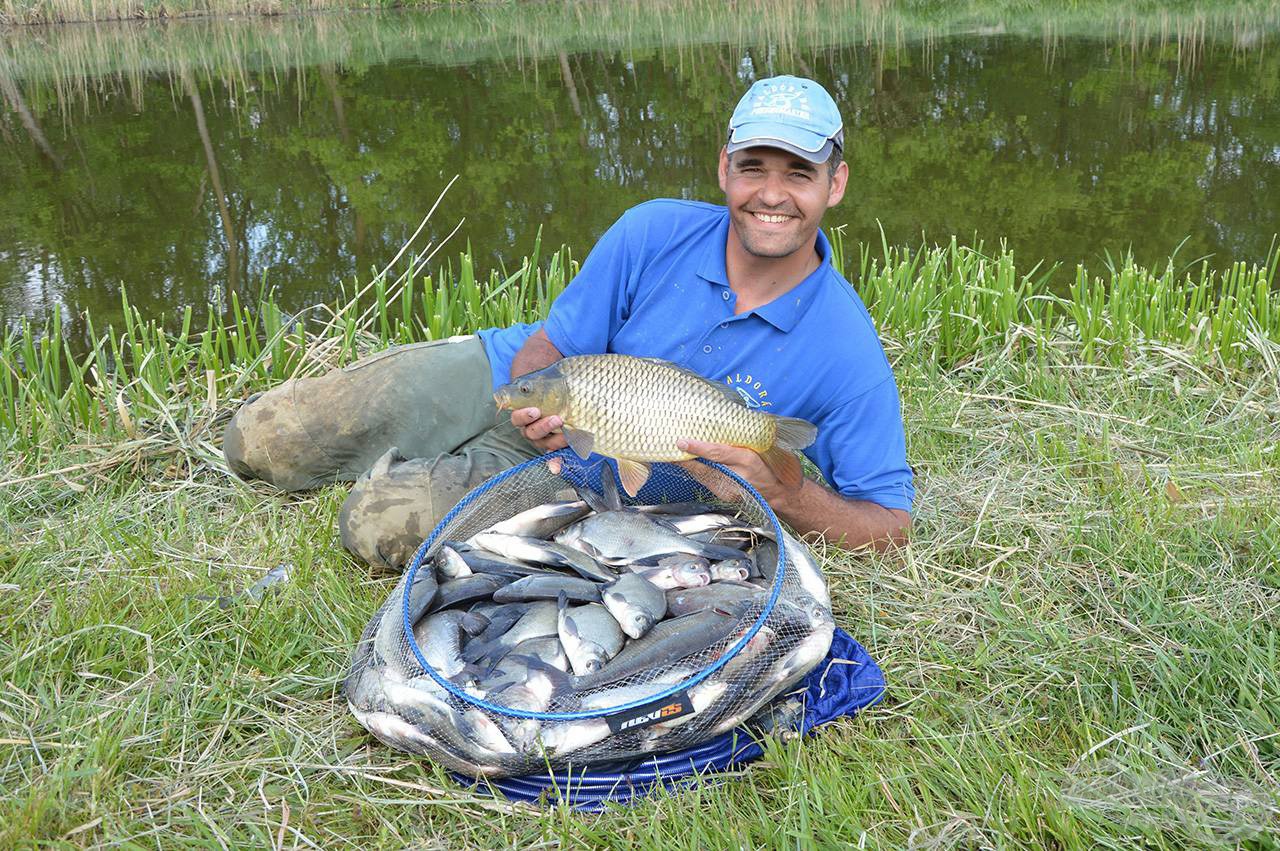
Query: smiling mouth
x,y
771,218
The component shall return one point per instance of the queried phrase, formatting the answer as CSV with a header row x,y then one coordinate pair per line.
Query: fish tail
x,y
469,673
784,464
476,652
794,433
561,682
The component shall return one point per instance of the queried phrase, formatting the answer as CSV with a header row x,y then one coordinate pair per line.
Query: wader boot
x,y
424,399
393,508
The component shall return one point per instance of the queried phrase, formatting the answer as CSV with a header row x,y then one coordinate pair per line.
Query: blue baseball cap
x,y
786,112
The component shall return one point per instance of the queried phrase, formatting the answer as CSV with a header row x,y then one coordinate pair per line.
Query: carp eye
x,y
526,388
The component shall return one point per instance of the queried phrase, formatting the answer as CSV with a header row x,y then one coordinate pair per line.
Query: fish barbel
x,y
635,410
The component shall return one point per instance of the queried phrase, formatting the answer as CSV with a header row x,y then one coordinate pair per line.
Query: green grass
x,y
1081,641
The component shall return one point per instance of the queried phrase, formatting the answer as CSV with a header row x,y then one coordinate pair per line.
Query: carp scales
x,y
634,410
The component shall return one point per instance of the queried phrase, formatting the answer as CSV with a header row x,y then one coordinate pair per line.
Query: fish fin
x,y
581,442
561,682
595,501
633,474
476,650
469,673
474,623
719,552
485,653
794,433
784,464
609,488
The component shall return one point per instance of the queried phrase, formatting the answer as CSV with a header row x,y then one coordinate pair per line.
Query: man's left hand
x,y
747,464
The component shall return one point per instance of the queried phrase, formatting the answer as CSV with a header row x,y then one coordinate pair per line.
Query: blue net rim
x,y
571,460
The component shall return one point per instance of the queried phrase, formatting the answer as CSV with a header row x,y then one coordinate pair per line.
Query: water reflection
x,y
190,161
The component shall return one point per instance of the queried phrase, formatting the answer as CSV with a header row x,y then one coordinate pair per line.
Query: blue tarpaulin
x,y
843,683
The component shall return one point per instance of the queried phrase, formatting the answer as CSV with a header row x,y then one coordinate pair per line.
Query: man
x,y
744,294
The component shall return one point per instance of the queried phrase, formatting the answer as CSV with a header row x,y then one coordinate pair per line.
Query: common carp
x,y
636,409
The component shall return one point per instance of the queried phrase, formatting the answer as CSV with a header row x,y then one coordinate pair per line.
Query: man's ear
x,y
724,168
838,182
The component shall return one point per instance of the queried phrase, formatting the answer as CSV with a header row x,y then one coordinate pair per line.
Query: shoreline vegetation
x,y
596,24
1080,640
947,303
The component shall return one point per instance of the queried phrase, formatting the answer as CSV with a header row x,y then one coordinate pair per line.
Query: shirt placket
x,y
714,336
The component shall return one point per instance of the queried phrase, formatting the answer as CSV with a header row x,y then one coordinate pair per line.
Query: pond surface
x,y
187,160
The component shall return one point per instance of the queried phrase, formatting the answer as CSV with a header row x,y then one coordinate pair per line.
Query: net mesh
x,y
721,669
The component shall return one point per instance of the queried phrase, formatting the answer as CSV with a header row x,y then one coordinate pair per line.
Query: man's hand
x,y
542,432
749,465
846,522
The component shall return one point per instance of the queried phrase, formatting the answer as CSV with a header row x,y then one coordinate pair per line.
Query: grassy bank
x,y
1080,642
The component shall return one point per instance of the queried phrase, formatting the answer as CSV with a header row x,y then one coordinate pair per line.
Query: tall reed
x,y
944,303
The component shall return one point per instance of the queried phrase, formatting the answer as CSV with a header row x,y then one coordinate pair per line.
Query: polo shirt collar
x,y
712,268
785,311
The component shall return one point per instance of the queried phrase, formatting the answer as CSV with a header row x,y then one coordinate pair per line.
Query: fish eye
x,y
526,387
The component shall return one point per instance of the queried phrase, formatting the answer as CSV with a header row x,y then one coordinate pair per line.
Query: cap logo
x,y
784,99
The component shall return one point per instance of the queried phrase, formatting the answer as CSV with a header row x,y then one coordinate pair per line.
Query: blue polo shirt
x,y
655,285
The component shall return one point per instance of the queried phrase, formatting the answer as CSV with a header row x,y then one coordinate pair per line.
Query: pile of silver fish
x,y
581,606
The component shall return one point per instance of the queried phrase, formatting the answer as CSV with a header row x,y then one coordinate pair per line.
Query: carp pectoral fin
x,y
581,442
633,474
783,464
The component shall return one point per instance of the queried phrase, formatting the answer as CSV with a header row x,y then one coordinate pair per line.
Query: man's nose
x,y
773,192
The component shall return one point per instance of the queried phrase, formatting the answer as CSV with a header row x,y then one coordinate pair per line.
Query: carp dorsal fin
x,y
581,442
633,474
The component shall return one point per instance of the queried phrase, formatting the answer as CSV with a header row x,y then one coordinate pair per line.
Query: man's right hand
x,y
542,432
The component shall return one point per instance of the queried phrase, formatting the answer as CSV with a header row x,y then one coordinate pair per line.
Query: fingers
x,y
552,443
542,428
717,452
522,417
537,428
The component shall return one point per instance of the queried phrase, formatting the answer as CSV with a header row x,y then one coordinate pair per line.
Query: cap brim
x,y
810,146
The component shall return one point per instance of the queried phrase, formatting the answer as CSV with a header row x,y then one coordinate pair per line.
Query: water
x,y
185,161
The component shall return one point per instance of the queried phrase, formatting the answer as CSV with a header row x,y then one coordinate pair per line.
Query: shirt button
x,y
725,294
706,349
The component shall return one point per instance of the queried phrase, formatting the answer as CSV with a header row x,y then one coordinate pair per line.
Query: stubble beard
x,y
758,248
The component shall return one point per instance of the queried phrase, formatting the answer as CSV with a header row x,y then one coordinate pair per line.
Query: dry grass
x,y
1080,643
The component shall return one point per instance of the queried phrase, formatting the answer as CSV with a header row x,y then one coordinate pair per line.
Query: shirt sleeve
x,y
861,448
591,310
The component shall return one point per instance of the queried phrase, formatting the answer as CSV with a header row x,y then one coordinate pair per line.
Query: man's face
x,y
776,199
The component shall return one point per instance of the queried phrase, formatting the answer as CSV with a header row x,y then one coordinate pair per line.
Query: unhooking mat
x,y
847,681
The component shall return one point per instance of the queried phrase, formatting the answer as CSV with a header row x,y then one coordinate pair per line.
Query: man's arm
x,y
851,523
537,353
